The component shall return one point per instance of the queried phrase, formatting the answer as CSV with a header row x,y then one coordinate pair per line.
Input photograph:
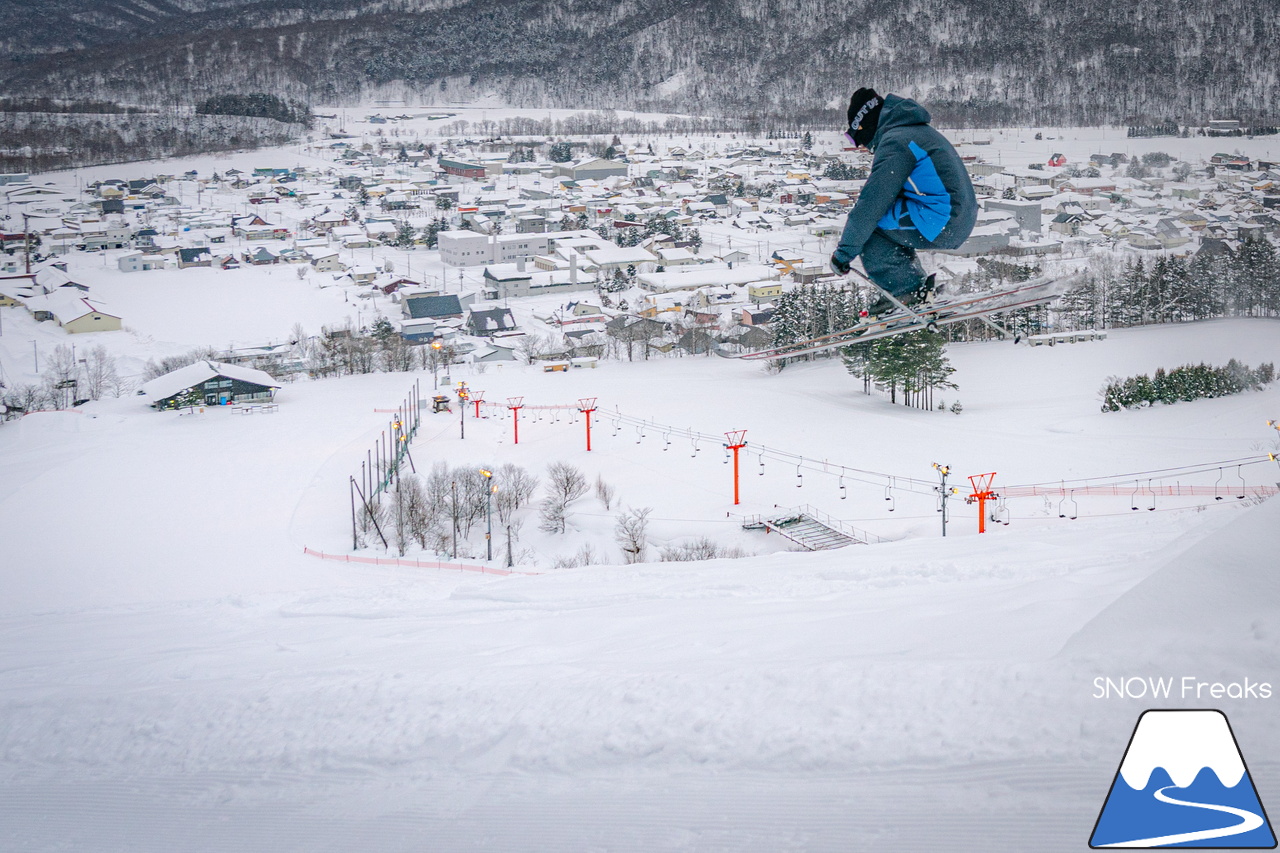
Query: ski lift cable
x,y
1158,473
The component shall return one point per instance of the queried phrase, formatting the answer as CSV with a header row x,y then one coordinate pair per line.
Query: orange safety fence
x,y
414,564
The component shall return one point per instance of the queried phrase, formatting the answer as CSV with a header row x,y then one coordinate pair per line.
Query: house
x,y
1068,223
696,342
330,219
103,236
209,383
748,337
137,262
260,229
198,257
757,316
462,168
261,256
398,284
530,223
418,331
432,306
326,260
592,169
73,312
1028,214
492,353
579,312
364,274
485,322
764,291
677,257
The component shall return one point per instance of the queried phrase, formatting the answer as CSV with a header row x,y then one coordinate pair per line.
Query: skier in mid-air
x,y
918,196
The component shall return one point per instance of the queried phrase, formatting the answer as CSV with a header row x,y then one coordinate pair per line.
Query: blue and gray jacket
x,y
917,185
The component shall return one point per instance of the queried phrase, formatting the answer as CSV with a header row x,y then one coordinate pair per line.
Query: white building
x,y
138,262
469,249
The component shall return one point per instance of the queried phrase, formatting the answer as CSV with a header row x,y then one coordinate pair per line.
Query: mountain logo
x,y
1183,783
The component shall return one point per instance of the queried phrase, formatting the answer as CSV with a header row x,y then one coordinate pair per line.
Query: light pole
x,y
436,346
944,492
463,393
488,530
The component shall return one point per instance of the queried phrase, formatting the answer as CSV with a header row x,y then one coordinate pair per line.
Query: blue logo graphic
x,y
1183,783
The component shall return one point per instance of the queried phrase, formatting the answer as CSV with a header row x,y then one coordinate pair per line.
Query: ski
x,y
940,313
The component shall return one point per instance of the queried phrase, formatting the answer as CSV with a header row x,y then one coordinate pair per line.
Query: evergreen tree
x,y
405,235
1081,306
1255,285
1209,277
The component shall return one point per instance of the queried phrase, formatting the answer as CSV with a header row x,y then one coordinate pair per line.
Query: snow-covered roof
x,y
177,381
687,278
619,256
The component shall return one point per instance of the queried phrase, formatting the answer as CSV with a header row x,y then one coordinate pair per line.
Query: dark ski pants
x,y
889,257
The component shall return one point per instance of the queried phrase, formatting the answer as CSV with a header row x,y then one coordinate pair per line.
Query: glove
x,y
839,266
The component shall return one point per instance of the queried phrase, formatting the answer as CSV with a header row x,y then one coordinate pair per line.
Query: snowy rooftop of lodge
x,y
177,381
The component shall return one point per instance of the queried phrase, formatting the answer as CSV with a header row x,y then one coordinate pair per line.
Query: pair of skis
x,y
941,312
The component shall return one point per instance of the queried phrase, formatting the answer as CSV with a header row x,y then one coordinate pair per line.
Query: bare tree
x,y
552,516
61,377
168,364
565,482
630,531
396,355
99,372
23,399
515,488
606,493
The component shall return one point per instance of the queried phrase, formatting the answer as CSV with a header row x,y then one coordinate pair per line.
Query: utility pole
x,y
454,488
26,242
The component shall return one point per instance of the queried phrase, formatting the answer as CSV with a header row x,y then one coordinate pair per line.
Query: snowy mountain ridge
x,y
982,62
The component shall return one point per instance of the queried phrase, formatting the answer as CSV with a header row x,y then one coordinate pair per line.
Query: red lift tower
x,y
515,404
981,494
587,405
736,441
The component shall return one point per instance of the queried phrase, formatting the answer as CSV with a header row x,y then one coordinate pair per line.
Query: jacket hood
x,y
898,112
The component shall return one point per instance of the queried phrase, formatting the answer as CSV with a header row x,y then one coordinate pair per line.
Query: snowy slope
x,y
176,675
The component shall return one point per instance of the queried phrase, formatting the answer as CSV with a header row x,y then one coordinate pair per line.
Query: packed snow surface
x,y
178,675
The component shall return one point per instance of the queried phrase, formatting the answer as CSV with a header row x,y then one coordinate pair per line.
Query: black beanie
x,y
864,115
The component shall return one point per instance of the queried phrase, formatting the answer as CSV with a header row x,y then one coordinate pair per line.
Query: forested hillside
x,y
976,61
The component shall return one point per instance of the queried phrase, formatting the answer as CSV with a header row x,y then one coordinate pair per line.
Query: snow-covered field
x,y
176,675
